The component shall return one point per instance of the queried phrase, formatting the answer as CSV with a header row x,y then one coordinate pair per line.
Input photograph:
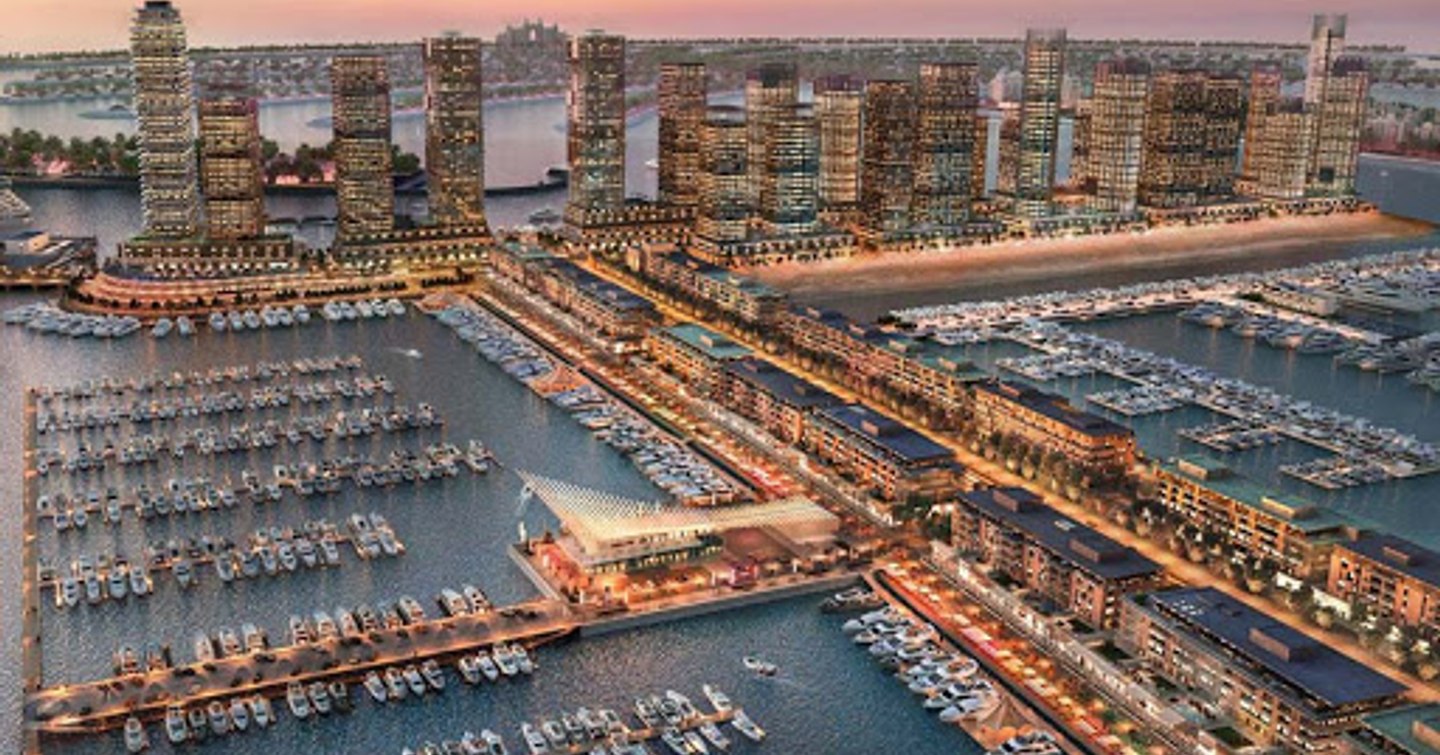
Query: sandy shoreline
x,y
1049,259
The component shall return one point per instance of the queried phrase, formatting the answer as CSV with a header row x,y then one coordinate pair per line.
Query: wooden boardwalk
x,y
32,652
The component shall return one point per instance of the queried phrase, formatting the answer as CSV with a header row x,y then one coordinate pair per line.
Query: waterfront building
x,y
595,118
1007,160
728,293
1013,532
454,131
789,191
880,455
772,398
1115,144
694,353
364,188
1327,43
839,105
1263,93
770,90
1337,124
682,113
1050,422
1277,161
608,311
722,217
1281,688
231,175
980,158
947,97
1294,534
1192,133
1082,122
1392,577
887,185
924,372
1039,121
1410,730
165,122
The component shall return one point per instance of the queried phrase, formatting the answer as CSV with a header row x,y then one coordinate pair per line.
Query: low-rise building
x,y
696,354
1283,689
771,397
745,299
609,310
880,454
1411,730
1295,534
1393,577
1013,532
1050,422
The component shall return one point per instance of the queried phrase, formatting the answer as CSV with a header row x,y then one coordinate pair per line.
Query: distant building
x,y
165,113
1192,133
1051,423
1007,166
1082,130
1337,123
1039,121
789,191
454,131
771,89
839,103
1012,531
682,113
723,213
364,189
1116,139
230,170
595,110
980,158
1327,43
1282,689
745,299
1391,576
1277,159
947,96
887,185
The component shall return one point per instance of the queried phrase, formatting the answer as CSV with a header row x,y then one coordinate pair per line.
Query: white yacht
x,y
176,729
184,326
743,723
719,700
217,322
239,714
261,711
299,704
375,687
162,327
136,740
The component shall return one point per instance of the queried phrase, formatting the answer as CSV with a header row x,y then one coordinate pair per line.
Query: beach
x,y
868,285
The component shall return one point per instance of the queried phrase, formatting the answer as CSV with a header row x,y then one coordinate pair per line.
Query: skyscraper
x,y
1117,133
360,102
769,90
682,96
1192,132
1337,126
947,96
1081,138
454,131
230,168
164,111
789,192
839,102
887,186
724,209
1039,121
1277,154
980,156
1264,94
1327,42
595,115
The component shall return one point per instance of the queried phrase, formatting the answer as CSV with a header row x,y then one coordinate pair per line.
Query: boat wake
x,y
412,353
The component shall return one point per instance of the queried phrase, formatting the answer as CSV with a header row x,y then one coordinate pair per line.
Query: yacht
x,y
136,740
261,711
555,733
253,637
414,680
320,698
522,658
505,661
395,307
394,683
204,648
298,702
477,600
139,581
494,745
375,687
116,581
719,700
469,669
433,675
760,666
675,741
219,719
696,742
162,327
217,322
184,326
714,736
534,740
451,602
743,723
229,642
239,714
198,728
301,314
176,729
183,573
487,666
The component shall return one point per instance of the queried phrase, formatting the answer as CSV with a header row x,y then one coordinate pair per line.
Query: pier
x,y
32,650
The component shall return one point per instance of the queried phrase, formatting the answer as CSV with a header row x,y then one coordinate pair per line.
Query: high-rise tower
x,y
454,131
595,115
888,178
682,102
839,102
947,96
230,169
1039,121
769,90
364,189
164,111
1117,133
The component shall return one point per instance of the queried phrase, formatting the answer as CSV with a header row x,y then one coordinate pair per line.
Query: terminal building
x,y
1012,531
1282,689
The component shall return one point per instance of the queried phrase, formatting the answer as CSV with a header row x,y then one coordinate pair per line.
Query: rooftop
x,y
1298,512
1318,672
788,388
1053,406
707,341
597,288
1084,547
896,438
1413,729
1408,558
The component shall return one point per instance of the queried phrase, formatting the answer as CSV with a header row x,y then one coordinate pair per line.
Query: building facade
x,y
772,398
595,116
454,131
1039,121
165,120
1277,160
695,354
770,90
947,96
1192,133
887,185
1116,139
723,211
1050,422
839,104
364,189
231,176
883,457
1337,124
1391,576
789,184
682,113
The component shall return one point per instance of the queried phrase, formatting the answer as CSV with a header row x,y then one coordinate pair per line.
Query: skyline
x,y
39,26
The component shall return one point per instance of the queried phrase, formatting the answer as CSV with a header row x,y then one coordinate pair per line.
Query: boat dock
x,y
32,650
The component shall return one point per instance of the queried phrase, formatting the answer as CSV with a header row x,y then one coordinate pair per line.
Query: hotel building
x,y
728,293
839,104
230,172
595,115
682,114
770,90
887,185
1393,577
1277,158
944,145
1039,121
1295,534
1338,122
774,399
164,112
1012,531
1192,133
1116,139
364,189
454,131
1283,689
1051,423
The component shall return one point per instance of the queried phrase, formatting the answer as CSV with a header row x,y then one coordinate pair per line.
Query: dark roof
x,y
1313,669
1054,407
616,297
896,438
1084,547
785,387
1410,559
706,341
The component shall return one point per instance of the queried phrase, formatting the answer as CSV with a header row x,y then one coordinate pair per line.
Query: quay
x,y
32,650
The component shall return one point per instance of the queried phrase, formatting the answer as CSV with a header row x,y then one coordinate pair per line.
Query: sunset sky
x,y
40,25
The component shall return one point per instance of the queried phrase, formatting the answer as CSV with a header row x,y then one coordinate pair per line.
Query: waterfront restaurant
x,y
696,354
604,538
1395,578
1282,688
1011,531
1050,422
1294,533
894,462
